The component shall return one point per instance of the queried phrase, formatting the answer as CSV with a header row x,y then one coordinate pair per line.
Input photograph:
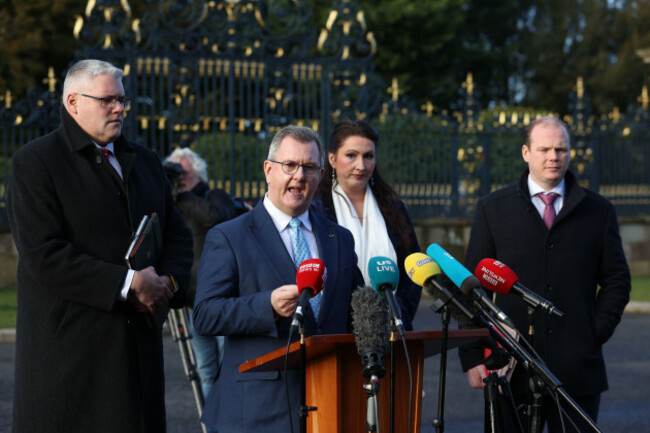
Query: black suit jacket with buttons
x,y
85,361
578,264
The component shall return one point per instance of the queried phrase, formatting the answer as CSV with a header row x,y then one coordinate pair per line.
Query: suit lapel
x,y
273,251
125,154
573,194
270,244
327,241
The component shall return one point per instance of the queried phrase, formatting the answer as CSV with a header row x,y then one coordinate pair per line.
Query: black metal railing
x,y
223,76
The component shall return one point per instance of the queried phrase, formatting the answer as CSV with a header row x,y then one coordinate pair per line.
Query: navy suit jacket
x,y
243,261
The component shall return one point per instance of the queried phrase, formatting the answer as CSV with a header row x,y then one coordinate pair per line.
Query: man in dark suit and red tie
x,y
247,289
88,350
563,242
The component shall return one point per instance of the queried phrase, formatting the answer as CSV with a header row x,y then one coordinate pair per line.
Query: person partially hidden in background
x,y
202,208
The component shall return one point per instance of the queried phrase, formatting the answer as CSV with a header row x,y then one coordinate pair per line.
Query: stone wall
x,y
451,233
636,242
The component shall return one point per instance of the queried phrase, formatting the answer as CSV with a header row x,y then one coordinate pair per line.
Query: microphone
x,y
370,325
499,278
426,273
464,280
310,278
384,278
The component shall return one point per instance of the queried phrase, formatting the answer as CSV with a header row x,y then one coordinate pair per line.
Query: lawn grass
x,y
7,307
640,292
640,289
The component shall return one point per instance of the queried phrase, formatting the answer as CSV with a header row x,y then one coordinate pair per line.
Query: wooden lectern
x,y
335,381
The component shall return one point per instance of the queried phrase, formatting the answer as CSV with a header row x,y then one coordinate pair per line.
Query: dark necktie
x,y
549,210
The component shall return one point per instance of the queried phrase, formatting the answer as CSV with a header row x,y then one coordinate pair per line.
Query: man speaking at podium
x,y
247,289
575,260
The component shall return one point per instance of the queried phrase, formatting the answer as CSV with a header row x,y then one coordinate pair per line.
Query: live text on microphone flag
x,y
384,279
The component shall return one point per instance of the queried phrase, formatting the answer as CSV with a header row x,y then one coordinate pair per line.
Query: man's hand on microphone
x,y
475,376
283,300
149,290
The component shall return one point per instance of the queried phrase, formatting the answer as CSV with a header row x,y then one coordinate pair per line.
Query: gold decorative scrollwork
x,y
344,28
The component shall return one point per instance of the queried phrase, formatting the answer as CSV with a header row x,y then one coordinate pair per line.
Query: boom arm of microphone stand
x,y
514,348
448,297
542,372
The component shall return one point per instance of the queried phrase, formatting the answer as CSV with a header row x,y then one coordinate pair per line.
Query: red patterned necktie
x,y
107,153
549,210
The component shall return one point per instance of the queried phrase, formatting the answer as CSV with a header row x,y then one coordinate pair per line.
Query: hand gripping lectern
x,y
334,378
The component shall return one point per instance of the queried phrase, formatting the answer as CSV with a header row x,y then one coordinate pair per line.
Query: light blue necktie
x,y
300,254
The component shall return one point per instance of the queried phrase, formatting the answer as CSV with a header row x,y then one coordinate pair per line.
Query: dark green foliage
x,y
524,52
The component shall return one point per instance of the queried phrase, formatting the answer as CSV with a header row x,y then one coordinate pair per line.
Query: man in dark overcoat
x,y
88,335
575,260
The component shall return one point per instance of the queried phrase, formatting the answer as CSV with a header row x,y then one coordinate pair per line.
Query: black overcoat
x,y
579,265
84,361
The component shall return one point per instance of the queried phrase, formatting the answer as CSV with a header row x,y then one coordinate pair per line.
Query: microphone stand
x,y
495,387
442,296
372,416
534,411
178,324
494,417
542,373
393,337
304,409
373,370
439,421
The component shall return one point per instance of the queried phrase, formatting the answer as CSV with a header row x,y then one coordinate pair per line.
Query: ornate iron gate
x,y
221,76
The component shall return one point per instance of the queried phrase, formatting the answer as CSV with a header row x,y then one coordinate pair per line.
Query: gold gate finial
x,y
7,99
428,108
580,88
50,80
469,84
393,90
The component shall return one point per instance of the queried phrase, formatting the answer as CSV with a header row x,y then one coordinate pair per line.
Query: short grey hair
x,y
87,70
299,133
199,166
547,120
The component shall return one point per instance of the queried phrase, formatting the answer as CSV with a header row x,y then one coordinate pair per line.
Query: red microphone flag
x,y
312,274
495,276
